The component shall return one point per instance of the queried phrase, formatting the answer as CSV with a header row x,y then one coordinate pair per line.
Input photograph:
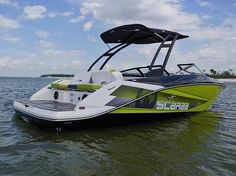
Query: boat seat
x,y
101,77
84,77
117,75
76,87
105,77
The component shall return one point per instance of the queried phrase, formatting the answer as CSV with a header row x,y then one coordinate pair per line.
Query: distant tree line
x,y
224,74
213,74
56,75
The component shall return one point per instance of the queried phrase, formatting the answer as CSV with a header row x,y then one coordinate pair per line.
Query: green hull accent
x,y
79,87
129,92
129,110
88,87
205,91
192,98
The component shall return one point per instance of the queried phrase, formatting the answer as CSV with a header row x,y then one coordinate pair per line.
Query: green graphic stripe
x,y
204,91
199,97
129,92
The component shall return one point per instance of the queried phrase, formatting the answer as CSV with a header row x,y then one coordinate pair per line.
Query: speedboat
x,y
140,90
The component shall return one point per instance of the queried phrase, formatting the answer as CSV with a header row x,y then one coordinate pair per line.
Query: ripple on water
x,y
202,144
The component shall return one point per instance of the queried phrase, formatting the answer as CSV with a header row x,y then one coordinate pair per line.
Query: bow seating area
x,y
88,81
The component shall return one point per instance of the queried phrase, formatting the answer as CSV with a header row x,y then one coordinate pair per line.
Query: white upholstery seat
x,y
117,75
101,77
105,77
81,77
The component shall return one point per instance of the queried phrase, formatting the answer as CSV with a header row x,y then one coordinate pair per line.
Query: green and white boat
x,y
141,90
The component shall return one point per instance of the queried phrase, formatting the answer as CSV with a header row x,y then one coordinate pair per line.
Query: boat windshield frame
x,y
185,68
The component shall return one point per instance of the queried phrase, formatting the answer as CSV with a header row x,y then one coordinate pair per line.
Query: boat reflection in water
x,y
171,146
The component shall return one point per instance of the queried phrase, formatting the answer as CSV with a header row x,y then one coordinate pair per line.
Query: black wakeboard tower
x,y
138,34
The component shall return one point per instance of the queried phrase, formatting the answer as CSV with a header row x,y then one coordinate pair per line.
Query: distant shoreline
x,y
227,79
56,75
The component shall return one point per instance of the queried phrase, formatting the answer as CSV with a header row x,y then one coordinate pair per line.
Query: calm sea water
x,y
202,144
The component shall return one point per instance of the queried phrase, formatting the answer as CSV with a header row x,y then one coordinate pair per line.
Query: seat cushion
x,y
58,86
76,87
88,87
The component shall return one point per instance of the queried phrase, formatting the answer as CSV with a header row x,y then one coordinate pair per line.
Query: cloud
x,y
9,2
6,23
220,55
87,26
212,33
217,50
230,22
65,67
74,65
53,14
42,34
165,13
53,62
76,20
49,61
205,4
91,7
210,38
74,2
34,12
19,63
61,53
45,44
92,38
13,40
65,60
75,62
67,13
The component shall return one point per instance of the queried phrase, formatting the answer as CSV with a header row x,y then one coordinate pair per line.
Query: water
x,y
202,144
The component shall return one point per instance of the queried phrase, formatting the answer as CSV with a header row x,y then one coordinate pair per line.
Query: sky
x,y
63,36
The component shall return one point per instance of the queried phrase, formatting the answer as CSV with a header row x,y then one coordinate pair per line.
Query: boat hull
x,y
171,101
176,99
106,120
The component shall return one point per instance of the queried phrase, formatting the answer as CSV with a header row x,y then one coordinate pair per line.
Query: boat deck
x,y
49,105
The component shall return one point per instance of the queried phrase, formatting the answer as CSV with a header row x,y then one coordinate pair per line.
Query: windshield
x,y
188,69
